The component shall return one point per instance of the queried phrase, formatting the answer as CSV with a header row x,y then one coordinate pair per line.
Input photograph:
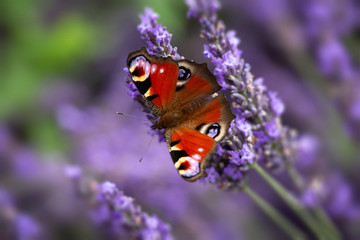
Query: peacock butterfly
x,y
183,95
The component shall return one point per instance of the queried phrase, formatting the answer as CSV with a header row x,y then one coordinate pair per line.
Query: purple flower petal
x,y
117,213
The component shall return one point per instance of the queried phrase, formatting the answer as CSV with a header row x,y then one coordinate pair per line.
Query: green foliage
x,y
171,13
46,136
32,52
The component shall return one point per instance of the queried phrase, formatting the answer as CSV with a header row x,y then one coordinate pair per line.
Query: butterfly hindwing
x,y
189,150
214,118
193,143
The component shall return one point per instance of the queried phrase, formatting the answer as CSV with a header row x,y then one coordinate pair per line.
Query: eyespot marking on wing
x,y
188,167
139,68
184,75
213,130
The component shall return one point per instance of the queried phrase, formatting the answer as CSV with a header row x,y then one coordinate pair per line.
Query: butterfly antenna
x,y
127,115
152,137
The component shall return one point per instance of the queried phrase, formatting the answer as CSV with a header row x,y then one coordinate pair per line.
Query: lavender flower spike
x,y
14,223
118,213
156,36
257,134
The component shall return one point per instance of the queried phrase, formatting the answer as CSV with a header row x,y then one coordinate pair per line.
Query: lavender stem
x,y
296,206
279,219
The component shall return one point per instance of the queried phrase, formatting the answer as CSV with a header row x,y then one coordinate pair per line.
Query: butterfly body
x,y
178,115
183,95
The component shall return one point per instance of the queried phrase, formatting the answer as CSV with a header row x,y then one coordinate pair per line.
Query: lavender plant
x,y
16,224
114,213
315,38
117,211
253,103
257,134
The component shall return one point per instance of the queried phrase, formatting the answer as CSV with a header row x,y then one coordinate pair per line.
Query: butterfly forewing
x,y
199,83
154,77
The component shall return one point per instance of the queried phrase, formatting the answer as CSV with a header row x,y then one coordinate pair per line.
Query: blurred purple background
x,y
62,82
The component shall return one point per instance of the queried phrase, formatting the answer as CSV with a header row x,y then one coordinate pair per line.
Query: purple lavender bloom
x,y
232,171
5,199
335,194
355,109
243,126
277,105
341,200
326,24
247,155
27,228
118,214
308,147
333,59
71,119
198,6
14,223
73,172
7,215
258,126
156,36
313,194
318,31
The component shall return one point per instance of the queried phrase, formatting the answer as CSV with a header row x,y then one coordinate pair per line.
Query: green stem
x,y
352,43
324,220
284,224
295,205
327,223
295,176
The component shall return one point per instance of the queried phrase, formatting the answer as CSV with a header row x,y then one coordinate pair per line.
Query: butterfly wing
x,y
194,81
165,83
168,86
154,77
194,142
189,150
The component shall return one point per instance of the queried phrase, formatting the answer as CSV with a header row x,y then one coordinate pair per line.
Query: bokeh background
x,y
62,82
